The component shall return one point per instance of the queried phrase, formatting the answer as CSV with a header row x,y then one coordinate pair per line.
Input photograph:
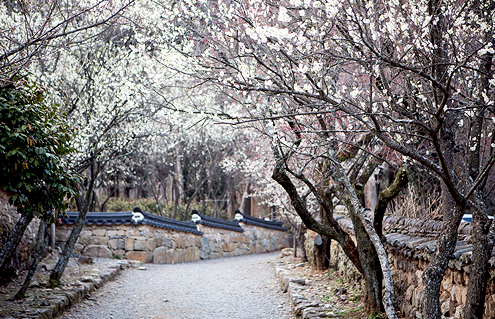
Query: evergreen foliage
x,y
33,139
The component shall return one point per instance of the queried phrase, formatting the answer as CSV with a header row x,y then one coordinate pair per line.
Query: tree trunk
x,y
400,181
59,269
40,247
369,243
322,250
175,190
83,206
371,266
11,245
294,242
232,204
433,274
300,237
482,250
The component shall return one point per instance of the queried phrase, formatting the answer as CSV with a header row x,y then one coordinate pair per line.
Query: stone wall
x,y
137,242
8,218
409,255
151,244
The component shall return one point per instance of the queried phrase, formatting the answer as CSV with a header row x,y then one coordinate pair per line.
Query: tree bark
x,y
372,244
59,269
322,254
11,245
483,243
433,274
373,274
400,181
83,206
40,247
301,232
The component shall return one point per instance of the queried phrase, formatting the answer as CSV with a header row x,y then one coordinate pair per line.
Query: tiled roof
x,y
260,222
100,218
218,223
125,218
416,238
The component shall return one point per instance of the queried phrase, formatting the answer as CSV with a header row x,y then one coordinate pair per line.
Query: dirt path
x,y
237,287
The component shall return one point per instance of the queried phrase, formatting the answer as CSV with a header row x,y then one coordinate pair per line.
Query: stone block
x,y
198,241
119,253
132,232
192,254
162,255
61,235
84,240
116,244
78,248
111,233
98,240
151,244
97,251
212,246
180,243
129,244
99,232
213,255
204,245
140,245
159,241
166,242
86,233
142,256
120,232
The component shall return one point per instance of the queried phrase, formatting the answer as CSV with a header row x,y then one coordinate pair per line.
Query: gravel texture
x,y
236,287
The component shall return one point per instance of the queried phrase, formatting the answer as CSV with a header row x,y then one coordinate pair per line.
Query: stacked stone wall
x,y
409,256
8,218
151,244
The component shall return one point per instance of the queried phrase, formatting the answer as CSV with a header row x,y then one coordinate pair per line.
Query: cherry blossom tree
x,y
417,75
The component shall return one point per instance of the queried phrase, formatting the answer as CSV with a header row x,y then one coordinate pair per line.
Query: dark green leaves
x,y
33,139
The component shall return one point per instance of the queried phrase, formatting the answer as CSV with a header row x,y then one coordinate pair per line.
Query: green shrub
x,y
34,137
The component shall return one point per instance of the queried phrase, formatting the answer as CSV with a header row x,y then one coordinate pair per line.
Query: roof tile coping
x,y
99,218
216,222
167,223
126,218
421,241
410,226
240,217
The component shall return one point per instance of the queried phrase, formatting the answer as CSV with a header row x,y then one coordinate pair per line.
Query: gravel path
x,y
234,288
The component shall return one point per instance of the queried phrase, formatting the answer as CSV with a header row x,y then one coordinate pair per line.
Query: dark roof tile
x,y
218,223
260,222
119,218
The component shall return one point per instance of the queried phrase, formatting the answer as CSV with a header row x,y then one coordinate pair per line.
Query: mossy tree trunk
x,y
10,247
40,247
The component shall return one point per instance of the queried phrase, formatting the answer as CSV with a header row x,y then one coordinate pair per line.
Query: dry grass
x,y
414,204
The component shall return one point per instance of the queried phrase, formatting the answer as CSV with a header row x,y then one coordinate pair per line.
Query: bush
x,y
33,138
